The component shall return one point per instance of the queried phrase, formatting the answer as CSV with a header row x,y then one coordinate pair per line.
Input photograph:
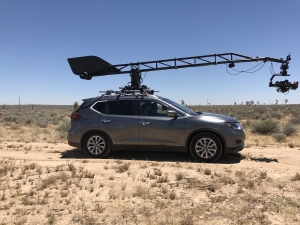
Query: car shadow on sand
x,y
151,156
263,159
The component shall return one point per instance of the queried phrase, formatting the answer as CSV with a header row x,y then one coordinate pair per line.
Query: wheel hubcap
x,y
96,145
206,148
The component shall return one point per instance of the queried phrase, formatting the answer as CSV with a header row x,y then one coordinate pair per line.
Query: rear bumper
x,y
74,144
73,139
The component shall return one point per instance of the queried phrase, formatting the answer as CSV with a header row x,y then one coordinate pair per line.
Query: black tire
x,y
206,147
96,145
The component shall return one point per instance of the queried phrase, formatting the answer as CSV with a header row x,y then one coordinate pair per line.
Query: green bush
x,y
64,125
289,129
10,118
267,126
63,128
295,120
75,106
256,116
279,137
28,121
275,114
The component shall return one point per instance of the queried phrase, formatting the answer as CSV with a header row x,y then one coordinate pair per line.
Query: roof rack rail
x,y
124,91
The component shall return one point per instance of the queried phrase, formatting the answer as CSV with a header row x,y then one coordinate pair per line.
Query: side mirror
x,y
172,113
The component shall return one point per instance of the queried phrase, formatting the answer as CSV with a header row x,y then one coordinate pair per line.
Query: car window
x,y
153,108
99,106
121,107
181,107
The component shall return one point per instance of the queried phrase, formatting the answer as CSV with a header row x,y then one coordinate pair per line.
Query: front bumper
x,y
233,150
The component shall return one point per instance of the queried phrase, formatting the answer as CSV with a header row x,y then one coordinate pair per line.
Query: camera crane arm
x,y
90,66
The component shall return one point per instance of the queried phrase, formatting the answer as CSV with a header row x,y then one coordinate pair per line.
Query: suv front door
x,y
156,129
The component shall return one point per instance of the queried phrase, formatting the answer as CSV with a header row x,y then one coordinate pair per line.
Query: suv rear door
x,y
119,119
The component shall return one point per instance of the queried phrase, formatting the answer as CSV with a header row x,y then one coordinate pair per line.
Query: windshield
x,y
181,107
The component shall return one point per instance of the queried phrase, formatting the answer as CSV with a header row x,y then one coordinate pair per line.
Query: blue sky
x,y
37,37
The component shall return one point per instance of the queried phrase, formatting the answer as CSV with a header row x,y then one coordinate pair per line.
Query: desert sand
x,y
53,183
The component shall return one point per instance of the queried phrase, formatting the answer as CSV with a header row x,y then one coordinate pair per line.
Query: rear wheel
x,y
206,147
96,145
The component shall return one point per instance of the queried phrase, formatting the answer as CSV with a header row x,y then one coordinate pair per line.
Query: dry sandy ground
x,y
44,183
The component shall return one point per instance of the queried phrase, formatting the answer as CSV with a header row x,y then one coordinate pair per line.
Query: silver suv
x,y
150,122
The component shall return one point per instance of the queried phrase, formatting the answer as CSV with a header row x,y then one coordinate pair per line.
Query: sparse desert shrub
x,y
265,127
261,109
239,173
212,187
64,125
226,180
63,128
42,122
172,195
295,120
157,172
122,168
265,117
51,218
207,171
246,124
289,129
256,116
296,177
163,179
28,121
279,137
219,198
291,145
55,120
75,106
88,174
47,182
26,201
275,114
179,176
187,220
140,192
10,118
263,175
249,184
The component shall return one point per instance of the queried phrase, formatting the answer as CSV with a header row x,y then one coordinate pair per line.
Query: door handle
x,y
105,121
144,123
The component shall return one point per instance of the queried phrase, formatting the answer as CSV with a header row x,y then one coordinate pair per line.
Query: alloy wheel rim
x,y
96,145
206,148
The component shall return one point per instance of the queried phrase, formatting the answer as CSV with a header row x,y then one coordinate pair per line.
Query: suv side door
x,y
119,119
156,128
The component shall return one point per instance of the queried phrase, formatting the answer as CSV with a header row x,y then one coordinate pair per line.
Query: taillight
x,y
75,115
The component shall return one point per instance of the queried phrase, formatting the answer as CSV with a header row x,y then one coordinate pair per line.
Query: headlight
x,y
236,126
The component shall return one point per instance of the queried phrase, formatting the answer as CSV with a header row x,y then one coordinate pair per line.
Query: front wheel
x,y
206,147
96,145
